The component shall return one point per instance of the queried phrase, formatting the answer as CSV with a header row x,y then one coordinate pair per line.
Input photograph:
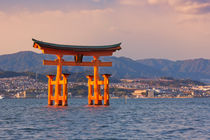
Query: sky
x,y
166,29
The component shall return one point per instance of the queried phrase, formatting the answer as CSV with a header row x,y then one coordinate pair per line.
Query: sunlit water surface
x,y
131,119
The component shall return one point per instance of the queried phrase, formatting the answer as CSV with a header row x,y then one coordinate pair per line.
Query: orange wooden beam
x,y
66,52
71,63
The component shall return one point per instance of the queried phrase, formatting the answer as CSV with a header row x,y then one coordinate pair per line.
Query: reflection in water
x,y
137,119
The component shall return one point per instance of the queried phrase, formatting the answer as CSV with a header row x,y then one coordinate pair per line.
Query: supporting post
x,y
58,79
90,89
50,89
96,79
65,91
106,88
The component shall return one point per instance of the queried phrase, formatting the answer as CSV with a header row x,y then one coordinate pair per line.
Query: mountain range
x,y
196,69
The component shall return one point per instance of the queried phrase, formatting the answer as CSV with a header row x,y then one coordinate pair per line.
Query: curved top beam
x,y
75,48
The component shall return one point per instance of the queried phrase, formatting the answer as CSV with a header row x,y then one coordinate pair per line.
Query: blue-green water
x,y
138,119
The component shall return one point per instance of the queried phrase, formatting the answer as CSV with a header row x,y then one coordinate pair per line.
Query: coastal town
x,y
27,87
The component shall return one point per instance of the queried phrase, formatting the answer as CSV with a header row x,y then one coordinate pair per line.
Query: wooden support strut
x,y
61,99
90,89
106,88
65,91
50,89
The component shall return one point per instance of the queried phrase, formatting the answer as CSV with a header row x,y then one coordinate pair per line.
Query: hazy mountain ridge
x,y
193,68
122,67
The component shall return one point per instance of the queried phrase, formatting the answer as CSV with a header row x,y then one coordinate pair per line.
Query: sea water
x,y
131,119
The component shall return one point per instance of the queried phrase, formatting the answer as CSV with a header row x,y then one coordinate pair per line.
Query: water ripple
x,y
138,119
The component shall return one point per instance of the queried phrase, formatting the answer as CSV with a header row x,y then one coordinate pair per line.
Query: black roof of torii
x,y
77,48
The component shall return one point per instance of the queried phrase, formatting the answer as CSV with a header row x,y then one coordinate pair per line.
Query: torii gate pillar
x,y
97,94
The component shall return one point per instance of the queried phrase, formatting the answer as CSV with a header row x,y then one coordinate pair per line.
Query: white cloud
x,y
132,2
156,1
185,6
193,8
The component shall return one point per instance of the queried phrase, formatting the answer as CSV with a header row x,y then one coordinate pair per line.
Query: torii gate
x,y
78,52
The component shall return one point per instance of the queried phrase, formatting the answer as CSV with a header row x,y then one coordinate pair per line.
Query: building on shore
x,y
150,93
20,95
139,93
144,93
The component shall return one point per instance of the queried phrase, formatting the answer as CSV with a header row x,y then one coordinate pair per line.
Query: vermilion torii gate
x,y
60,99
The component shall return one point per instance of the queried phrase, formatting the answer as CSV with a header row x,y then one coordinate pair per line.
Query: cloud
x,y
194,8
73,27
185,6
156,1
50,5
132,2
145,28
97,11
96,0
